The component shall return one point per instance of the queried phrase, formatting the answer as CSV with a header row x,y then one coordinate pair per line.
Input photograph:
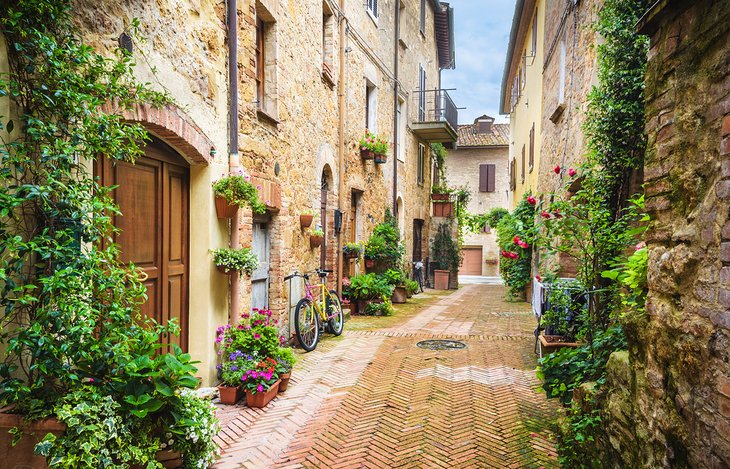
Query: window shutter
x,y
491,169
483,177
523,163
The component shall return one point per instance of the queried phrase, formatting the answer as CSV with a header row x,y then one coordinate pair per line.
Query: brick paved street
x,y
371,398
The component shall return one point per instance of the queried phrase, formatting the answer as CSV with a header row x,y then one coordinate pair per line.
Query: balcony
x,y
436,118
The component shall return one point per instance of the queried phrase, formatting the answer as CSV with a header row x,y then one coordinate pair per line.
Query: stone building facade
x,y
669,396
290,80
480,162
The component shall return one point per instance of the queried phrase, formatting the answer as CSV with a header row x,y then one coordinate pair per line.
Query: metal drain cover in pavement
x,y
438,344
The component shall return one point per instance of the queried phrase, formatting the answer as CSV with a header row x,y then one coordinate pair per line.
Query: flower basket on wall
x,y
373,147
367,154
224,209
439,196
381,158
305,220
315,240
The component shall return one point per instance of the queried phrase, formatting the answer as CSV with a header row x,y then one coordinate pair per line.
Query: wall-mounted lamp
x,y
338,220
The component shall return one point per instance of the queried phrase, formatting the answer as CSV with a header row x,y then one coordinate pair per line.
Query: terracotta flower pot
x,y
222,269
260,399
284,377
315,241
439,196
230,394
305,220
381,159
441,279
21,455
349,255
443,209
369,263
399,295
367,154
224,209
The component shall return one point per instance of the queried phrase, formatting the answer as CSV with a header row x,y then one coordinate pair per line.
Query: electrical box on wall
x,y
338,220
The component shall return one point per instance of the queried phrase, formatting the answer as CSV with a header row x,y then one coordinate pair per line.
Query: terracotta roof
x,y
497,136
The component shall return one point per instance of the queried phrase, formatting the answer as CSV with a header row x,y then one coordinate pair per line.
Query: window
x,y
486,177
532,146
421,94
523,73
523,164
561,77
265,49
512,175
373,7
260,75
371,107
402,112
534,34
423,17
327,38
421,169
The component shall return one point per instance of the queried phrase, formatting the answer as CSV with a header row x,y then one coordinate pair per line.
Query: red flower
x,y
556,169
531,200
538,278
572,172
544,214
516,240
523,245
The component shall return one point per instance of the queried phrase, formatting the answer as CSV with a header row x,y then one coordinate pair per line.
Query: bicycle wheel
x,y
306,325
420,279
334,309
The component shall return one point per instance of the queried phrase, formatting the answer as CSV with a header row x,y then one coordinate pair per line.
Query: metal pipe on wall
x,y
341,143
233,161
396,89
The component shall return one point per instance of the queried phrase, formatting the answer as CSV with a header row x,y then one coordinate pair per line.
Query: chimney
x,y
483,124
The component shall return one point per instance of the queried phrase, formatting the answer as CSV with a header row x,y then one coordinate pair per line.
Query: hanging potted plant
x,y
229,260
261,383
316,238
352,250
306,218
373,147
235,191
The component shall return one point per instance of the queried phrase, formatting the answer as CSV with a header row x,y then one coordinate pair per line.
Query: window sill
x,y
403,44
327,75
373,17
555,116
266,117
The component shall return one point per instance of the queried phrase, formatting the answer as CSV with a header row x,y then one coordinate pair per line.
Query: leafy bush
x,y
445,249
241,260
380,309
495,215
395,277
515,236
385,243
369,287
238,189
412,286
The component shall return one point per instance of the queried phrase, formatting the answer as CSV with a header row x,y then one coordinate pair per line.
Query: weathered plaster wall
x,y
669,397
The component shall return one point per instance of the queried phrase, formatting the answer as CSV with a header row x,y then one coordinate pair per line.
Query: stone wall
x,y
669,398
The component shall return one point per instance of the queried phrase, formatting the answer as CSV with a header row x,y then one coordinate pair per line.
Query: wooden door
x,y
153,196
260,277
471,263
417,254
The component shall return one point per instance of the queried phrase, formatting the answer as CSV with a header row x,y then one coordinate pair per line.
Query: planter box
x,y
381,159
224,209
439,196
441,279
285,377
315,241
261,399
551,343
443,209
230,395
367,154
350,255
399,295
305,221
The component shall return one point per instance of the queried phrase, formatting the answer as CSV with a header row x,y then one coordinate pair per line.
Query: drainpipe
x,y
341,143
233,161
395,109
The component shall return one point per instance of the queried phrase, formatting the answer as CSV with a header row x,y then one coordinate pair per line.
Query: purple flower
x,y
218,366
234,368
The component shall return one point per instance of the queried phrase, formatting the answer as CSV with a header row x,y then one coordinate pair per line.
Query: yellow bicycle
x,y
315,315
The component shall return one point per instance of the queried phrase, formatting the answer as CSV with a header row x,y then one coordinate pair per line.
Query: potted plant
x,y
285,360
412,287
561,321
366,288
445,252
261,383
397,279
384,249
235,260
372,145
234,191
441,192
306,218
384,308
352,250
316,237
231,374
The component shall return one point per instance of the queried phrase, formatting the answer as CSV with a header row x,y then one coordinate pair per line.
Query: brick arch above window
x,y
171,125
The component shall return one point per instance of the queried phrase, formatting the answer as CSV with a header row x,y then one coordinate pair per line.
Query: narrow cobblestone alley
x,y
371,398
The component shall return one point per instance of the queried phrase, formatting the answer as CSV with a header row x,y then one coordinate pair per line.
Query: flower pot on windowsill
x,y
284,377
399,295
224,209
381,159
261,399
441,279
367,154
230,394
315,241
305,220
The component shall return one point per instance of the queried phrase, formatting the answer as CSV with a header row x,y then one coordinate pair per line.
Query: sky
x,y
481,30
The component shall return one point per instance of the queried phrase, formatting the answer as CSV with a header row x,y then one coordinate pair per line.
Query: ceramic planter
x,y
261,399
441,279
399,295
305,220
284,377
367,154
381,159
315,241
230,394
224,209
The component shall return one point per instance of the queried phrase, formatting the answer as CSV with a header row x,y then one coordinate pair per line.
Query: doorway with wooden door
x,y
153,197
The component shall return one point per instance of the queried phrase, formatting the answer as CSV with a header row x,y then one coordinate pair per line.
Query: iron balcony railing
x,y
435,106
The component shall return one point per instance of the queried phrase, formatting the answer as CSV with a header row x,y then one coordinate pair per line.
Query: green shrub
x,y
445,249
379,309
241,260
516,264
238,189
369,287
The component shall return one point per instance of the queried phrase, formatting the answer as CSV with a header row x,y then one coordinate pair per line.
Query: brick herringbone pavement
x,y
373,399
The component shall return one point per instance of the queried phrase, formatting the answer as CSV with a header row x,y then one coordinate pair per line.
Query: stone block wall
x,y
670,401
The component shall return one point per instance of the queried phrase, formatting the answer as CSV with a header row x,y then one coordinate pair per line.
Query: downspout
x,y
396,88
233,161
341,143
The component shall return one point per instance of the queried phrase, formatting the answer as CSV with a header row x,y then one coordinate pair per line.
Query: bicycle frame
x,y
320,304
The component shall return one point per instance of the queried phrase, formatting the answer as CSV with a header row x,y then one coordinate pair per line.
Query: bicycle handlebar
x,y
318,271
